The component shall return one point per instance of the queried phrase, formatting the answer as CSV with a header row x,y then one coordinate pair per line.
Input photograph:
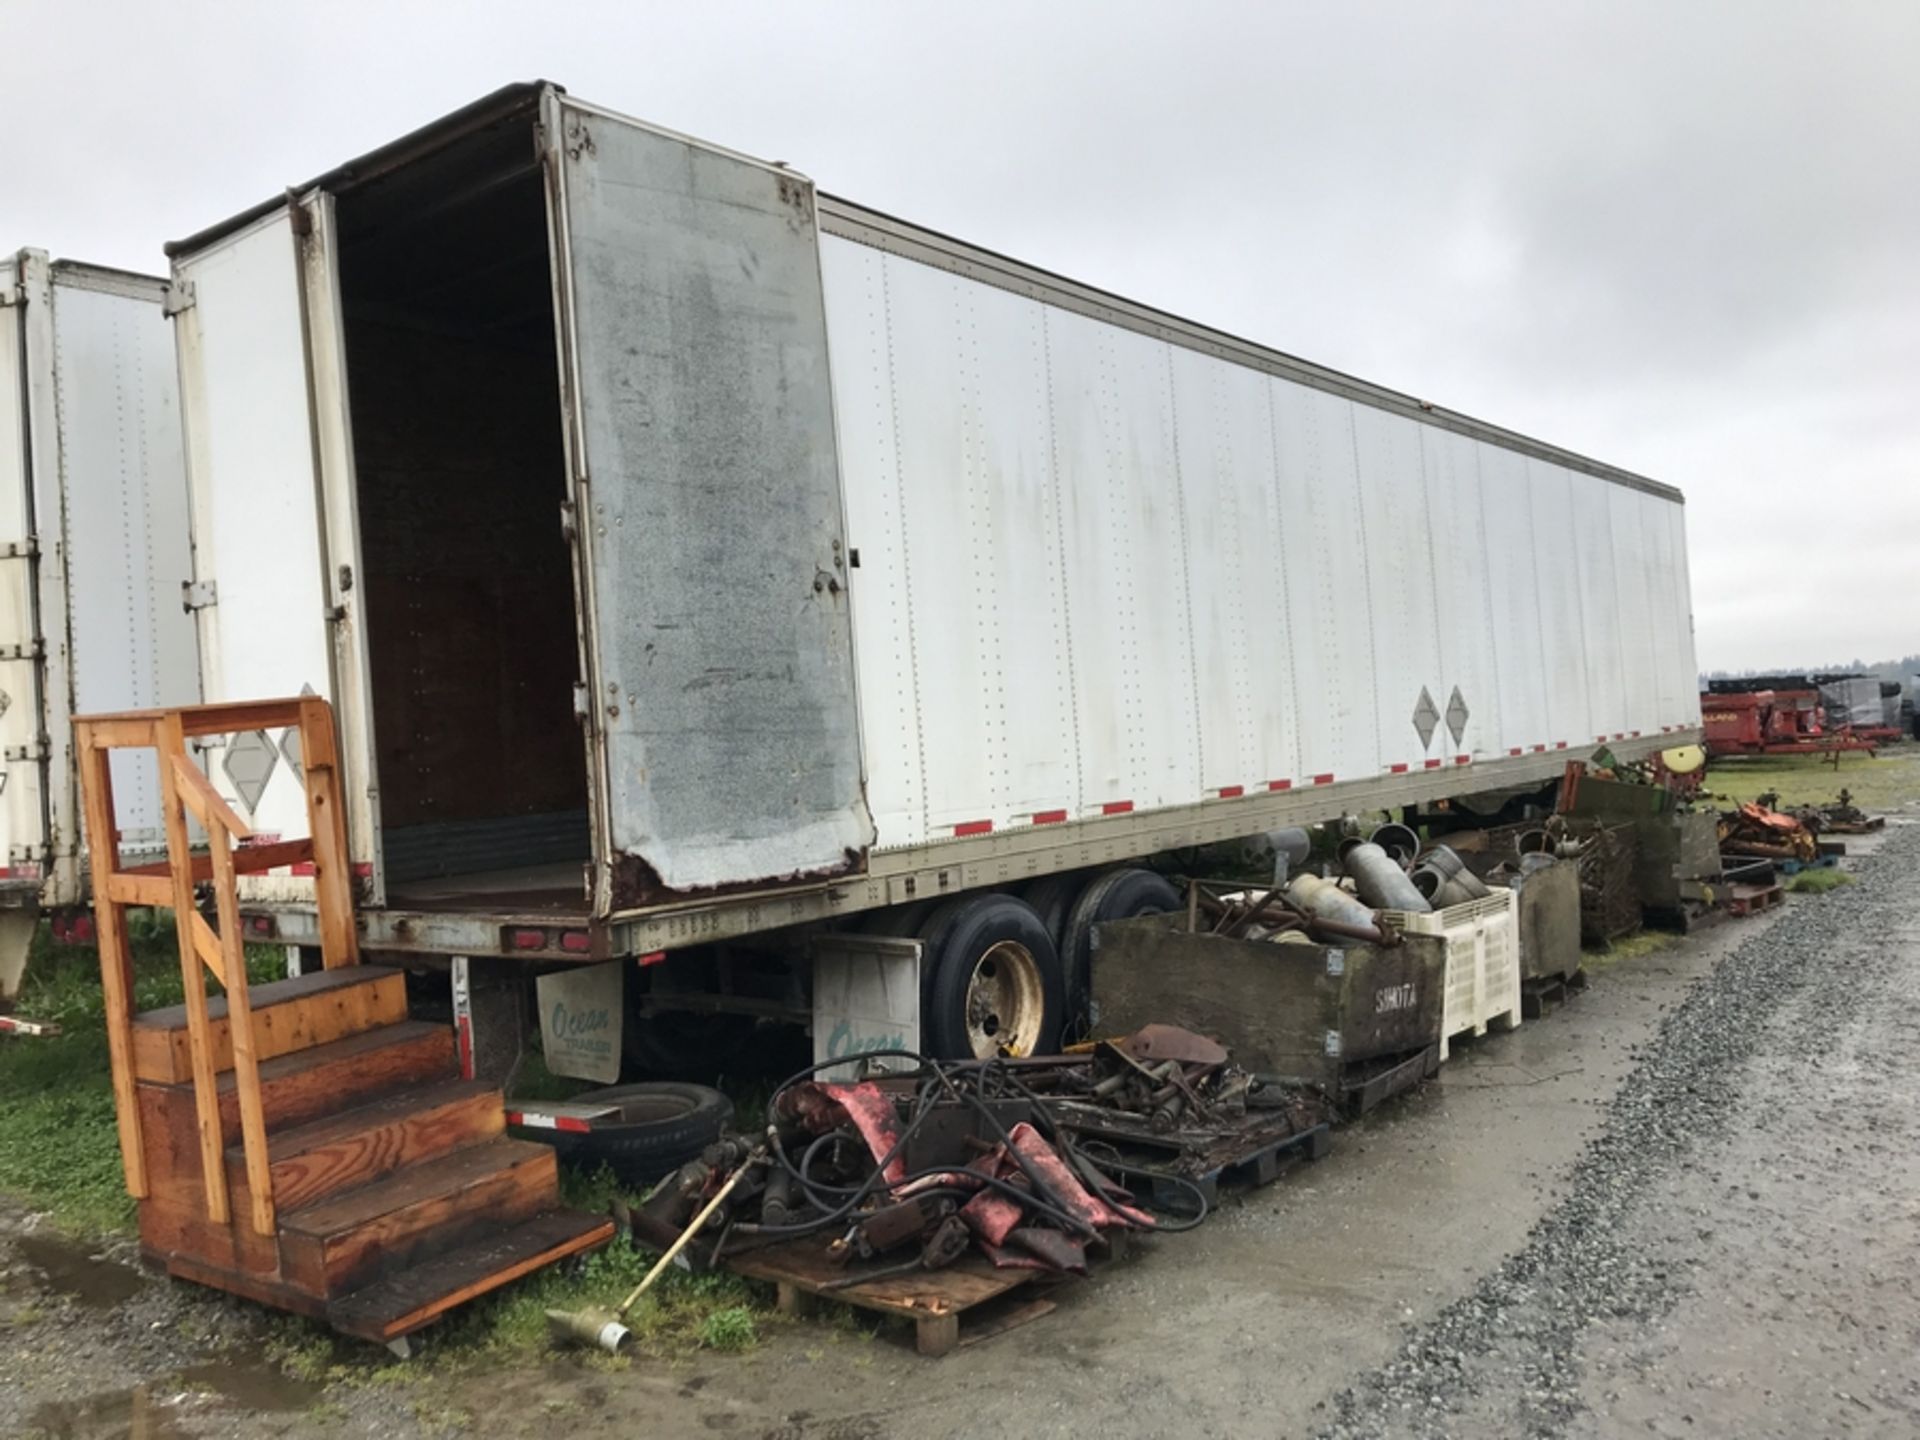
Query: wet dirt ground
x,y
1688,1203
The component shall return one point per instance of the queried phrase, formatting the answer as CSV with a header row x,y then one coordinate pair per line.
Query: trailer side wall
x,y
1103,572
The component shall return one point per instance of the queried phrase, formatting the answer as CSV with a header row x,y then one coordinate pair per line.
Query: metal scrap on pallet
x,y
972,1168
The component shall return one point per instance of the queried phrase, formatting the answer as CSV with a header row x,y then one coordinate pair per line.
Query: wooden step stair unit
x,y
302,1143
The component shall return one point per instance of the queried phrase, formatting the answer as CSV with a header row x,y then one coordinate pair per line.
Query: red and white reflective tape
x,y
537,1120
463,1014
1049,817
14,1025
1117,807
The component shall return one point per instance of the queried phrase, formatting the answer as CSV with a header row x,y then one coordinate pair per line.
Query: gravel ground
x,y
1755,1174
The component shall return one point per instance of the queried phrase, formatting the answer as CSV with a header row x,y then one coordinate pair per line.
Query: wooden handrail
x,y
203,800
216,947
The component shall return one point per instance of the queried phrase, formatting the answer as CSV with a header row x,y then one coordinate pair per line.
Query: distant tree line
x,y
1904,670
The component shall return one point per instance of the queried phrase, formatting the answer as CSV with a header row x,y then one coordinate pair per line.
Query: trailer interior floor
x,y
557,888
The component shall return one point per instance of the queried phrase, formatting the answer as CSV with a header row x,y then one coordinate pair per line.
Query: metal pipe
x,y
1327,900
1448,862
1399,841
1291,847
1381,882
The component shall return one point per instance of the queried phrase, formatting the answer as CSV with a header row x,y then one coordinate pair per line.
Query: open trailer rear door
x,y
256,315
708,526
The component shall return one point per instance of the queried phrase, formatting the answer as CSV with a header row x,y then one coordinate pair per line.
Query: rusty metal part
x,y
949,1241
1055,1249
776,1203
892,1226
1151,1044
1167,1114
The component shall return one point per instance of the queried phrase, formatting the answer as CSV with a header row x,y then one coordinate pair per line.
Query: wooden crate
x,y
1305,1012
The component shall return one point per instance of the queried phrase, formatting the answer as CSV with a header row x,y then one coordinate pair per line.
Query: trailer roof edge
x,y
506,103
866,225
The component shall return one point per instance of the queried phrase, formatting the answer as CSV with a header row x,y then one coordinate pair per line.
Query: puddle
x,y
150,1412
126,1415
250,1383
68,1269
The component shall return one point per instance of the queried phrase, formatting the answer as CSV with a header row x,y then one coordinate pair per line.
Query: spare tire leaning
x,y
661,1125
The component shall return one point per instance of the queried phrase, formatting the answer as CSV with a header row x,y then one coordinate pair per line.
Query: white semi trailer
x,y
93,548
691,556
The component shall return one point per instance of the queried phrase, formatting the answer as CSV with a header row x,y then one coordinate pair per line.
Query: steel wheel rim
x,y
1005,1002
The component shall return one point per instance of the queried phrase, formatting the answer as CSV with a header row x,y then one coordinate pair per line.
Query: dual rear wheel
x,y
1009,974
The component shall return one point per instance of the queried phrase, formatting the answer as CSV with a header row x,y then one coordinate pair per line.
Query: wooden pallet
x,y
1260,1166
1751,899
1543,994
1855,827
960,1305
1364,1091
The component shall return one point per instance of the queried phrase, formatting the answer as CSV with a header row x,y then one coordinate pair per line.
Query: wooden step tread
x,y
439,1178
404,1302
288,1016
352,1049
274,992
359,1145
294,1140
307,1085
359,1236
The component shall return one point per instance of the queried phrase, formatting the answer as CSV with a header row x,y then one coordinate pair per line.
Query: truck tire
x,y
1117,895
1052,897
991,983
662,1125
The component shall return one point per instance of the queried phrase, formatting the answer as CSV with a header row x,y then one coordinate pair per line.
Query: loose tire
x,y
661,1126
1116,895
991,981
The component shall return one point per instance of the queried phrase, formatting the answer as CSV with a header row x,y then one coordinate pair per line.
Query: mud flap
x,y
17,929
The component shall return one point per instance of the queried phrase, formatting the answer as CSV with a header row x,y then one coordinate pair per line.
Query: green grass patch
x,y
59,1143
1819,882
680,1314
1879,783
1629,947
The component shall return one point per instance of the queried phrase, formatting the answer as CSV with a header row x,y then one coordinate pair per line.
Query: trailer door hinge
x,y
199,594
580,703
35,751
26,549
33,650
13,295
177,296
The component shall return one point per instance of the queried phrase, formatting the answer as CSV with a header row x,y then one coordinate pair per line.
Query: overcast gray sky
x,y
1684,238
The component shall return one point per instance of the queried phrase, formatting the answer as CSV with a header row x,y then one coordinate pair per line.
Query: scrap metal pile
x,y
1022,1162
1755,831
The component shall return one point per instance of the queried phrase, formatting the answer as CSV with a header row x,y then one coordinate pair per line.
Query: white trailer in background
x,y
690,556
93,548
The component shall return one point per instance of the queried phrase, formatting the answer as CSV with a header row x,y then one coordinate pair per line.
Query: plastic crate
x,y
1483,961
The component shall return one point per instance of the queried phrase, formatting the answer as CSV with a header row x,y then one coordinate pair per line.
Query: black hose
x,y
940,1076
